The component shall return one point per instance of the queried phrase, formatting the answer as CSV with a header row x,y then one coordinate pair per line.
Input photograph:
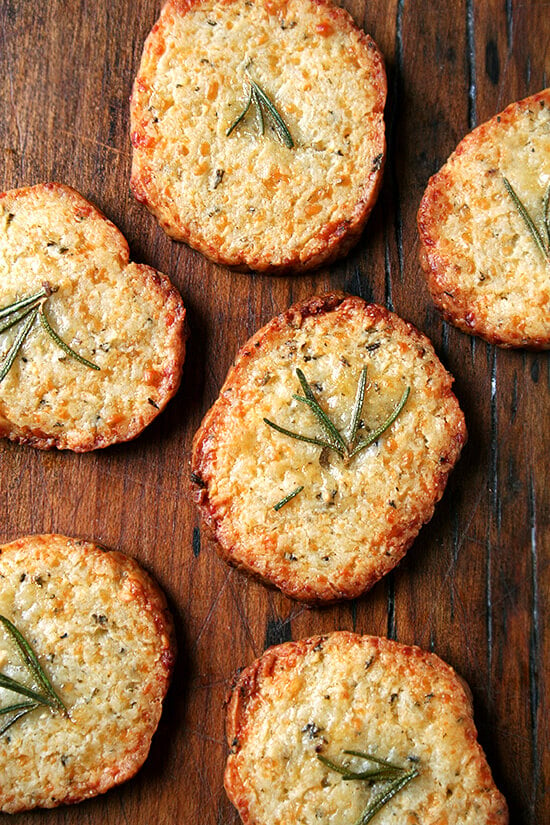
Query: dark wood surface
x,y
475,587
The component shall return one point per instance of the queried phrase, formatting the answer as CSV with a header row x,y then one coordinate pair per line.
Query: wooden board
x,y
475,588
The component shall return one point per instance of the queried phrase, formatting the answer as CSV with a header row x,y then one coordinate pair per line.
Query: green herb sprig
x,y
333,438
45,695
542,243
28,310
394,777
264,106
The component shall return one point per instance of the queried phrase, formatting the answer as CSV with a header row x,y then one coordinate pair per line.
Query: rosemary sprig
x,y
388,772
334,440
544,247
48,697
288,498
277,121
264,105
28,309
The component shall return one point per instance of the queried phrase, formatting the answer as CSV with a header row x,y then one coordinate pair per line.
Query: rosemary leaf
x,y
345,772
348,775
378,775
308,392
25,302
31,662
298,436
320,414
527,219
288,498
375,435
17,344
13,320
61,343
336,440
259,110
32,706
385,796
17,706
382,774
8,683
242,114
376,759
278,123
358,405
546,214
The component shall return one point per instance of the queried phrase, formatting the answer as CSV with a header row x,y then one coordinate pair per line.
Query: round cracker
x,y
245,199
102,632
126,318
484,270
328,694
353,520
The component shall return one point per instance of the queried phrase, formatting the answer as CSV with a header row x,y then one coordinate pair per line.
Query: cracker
x,y
125,318
324,695
355,518
485,272
102,633
246,199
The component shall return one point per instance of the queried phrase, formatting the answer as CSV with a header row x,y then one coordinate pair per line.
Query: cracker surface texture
x,y
484,270
246,199
354,520
102,632
126,318
342,692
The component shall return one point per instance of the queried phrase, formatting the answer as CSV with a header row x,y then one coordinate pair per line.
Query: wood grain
x,y
476,586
